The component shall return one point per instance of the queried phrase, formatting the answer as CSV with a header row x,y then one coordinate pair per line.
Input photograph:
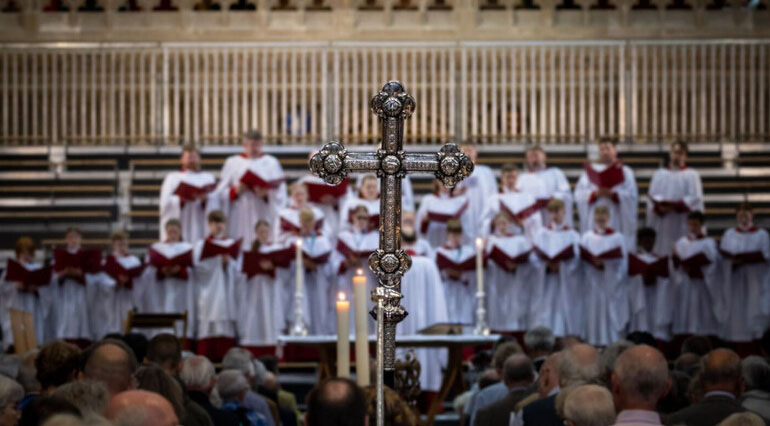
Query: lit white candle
x,y
343,336
480,265
362,331
300,279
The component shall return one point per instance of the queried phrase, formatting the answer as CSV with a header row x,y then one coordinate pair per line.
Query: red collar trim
x,y
751,228
677,168
696,237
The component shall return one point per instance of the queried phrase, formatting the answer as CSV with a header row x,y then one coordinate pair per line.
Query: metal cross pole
x,y
389,263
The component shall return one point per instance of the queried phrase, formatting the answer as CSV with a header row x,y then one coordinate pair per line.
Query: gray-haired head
x,y
90,396
539,341
70,420
260,372
518,370
232,385
756,373
742,419
10,391
241,360
589,405
198,374
640,376
578,363
610,354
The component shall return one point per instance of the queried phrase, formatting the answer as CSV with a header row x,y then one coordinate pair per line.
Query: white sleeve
x,y
583,191
169,203
694,196
629,197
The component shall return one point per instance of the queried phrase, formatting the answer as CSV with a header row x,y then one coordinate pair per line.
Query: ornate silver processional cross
x,y
389,263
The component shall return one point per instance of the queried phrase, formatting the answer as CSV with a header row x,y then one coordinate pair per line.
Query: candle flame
x,y
479,243
341,296
359,271
299,243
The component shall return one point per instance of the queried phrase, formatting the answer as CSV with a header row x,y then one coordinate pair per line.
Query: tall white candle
x,y
343,336
300,279
480,265
362,331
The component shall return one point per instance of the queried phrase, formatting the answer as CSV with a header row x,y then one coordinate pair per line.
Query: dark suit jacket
x,y
219,417
542,413
707,412
499,413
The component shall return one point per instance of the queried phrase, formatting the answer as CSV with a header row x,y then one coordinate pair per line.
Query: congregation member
x,y
556,184
640,378
288,217
241,360
25,285
141,407
251,187
588,405
610,184
199,378
457,263
336,401
483,395
674,191
232,388
746,252
521,207
111,362
437,208
518,375
558,304
479,187
113,301
539,342
187,196
649,273
756,377
368,195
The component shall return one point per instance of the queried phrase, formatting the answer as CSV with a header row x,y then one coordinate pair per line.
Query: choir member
x,y
25,285
407,193
121,270
319,292
479,186
457,263
559,295
746,250
603,252
259,313
288,217
510,278
674,191
437,208
76,272
368,196
186,196
252,187
413,243
328,198
701,298
352,252
649,278
611,184
168,285
554,179
214,274
522,208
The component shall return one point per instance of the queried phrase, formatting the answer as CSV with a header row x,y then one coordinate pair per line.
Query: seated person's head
x,y
165,350
198,374
645,238
695,221
119,241
43,408
25,249
337,402
56,364
111,362
140,407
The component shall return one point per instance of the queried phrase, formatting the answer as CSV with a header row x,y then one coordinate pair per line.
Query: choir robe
x,y
38,301
288,222
245,209
509,291
460,294
319,314
480,186
113,301
70,314
175,294
606,292
559,295
215,291
519,205
362,245
407,194
748,292
623,210
681,188
652,294
425,301
331,211
191,213
700,291
372,206
556,186
437,210
259,313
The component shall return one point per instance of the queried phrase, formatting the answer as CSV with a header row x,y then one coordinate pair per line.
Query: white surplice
x,y
288,223
460,294
623,213
39,304
319,287
652,304
70,317
350,204
331,211
425,301
407,194
112,303
361,242
215,292
606,290
559,295
244,210
519,204
192,214
748,308
442,207
480,185
701,301
509,294
672,185
169,295
556,186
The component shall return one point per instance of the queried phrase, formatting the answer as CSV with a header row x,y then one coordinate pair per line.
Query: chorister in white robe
x,y
479,186
319,287
34,297
556,186
176,188
372,207
407,194
114,300
746,254
75,296
425,301
259,313
606,290
317,189
509,282
623,205
245,209
680,189
434,213
559,291
652,296
699,287
215,287
521,207
172,293
358,245
460,291
288,222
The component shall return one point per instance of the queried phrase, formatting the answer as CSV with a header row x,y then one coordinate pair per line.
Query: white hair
x,y
590,405
642,375
742,419
231,384
610,354
574,369
90,396
239,359
260,372
756,372
10,391
197,372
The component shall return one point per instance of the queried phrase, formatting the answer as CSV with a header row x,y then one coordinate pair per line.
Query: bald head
x,y
336,402
721,370
518,370
589,405
579,363
112,363
141,408
640,378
